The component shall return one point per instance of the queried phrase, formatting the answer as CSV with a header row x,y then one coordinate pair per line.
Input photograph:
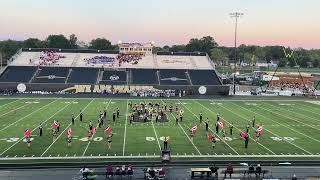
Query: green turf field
x,y
291,130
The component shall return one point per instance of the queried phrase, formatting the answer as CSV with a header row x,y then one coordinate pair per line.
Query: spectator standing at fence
x,y
258,170
229,170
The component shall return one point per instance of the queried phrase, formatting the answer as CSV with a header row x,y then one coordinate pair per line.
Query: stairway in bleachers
x,y
35,58
188,77
194,64
155,61
75,60
70,70
34,75
99,78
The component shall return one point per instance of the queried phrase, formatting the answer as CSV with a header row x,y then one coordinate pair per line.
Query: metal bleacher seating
x,y
83,75
144,76
114,78
51,75
173,77
204,77
18,74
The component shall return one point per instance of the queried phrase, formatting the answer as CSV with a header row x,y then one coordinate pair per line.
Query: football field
x,y
291,129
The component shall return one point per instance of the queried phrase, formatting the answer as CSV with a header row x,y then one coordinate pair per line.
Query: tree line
x,y
221,55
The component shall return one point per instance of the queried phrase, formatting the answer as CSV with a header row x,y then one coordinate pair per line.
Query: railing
x,y
14,56
211,62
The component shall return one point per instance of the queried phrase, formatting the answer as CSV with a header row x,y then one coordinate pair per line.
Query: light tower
x,y
235,15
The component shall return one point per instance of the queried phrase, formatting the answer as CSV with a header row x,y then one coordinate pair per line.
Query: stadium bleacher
x,y
204,77
51,75
18,74
83,75
114,77
162,70
173,77
144,76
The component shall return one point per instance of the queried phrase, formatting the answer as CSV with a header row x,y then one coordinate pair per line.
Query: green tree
x,y
274,53
282,62
178,48
58,41
73,40
9,47
205,44
101,44
316,63
219,56
33,43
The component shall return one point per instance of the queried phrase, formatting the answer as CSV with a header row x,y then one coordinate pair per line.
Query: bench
x,y
263,172
94,174
201,171
244,172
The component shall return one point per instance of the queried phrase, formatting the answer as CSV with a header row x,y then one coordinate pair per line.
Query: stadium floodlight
x,y
119,42
235,15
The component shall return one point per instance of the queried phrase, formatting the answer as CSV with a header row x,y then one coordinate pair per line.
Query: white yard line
x,y
277,122
186,99
34,129
9,103
267,109
14,109
210,129
125,131
156,134
237,128
266,130
307,109
65,129
186,134
7,126
189,139
85,150
295,112
155,156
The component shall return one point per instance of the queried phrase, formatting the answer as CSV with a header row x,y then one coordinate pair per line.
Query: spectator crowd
x,y
154,93
49,58
100,60
129,58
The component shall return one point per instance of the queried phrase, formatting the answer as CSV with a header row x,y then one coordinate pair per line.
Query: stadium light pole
x,y
235,15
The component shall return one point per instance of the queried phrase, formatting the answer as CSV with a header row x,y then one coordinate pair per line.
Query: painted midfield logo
x,y
114,78
173,79
50,77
